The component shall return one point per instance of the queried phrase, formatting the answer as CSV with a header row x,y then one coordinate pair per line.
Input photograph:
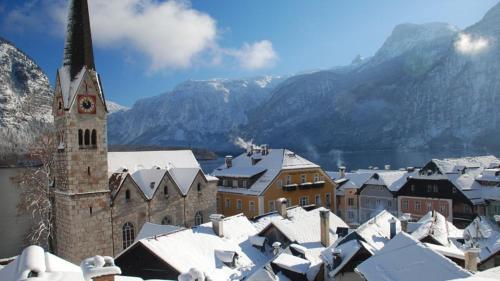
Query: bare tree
x,y
36,183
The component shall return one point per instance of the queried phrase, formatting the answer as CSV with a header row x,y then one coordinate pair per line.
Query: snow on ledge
x,y
99,266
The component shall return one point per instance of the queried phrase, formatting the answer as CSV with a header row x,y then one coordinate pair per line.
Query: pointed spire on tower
x,y
78,50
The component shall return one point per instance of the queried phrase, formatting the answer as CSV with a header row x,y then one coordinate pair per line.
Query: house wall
x,y
420,206
275,190
348,206
203,201
375,198
232,209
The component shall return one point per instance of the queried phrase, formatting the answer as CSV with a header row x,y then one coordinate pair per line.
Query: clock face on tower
x,y
86,104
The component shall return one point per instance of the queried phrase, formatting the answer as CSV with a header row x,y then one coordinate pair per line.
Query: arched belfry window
x,y
128,234
94,137
198,218
87,137
80,137
127,195
166,220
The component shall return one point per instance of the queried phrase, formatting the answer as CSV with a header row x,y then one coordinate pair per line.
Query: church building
x,y
101,199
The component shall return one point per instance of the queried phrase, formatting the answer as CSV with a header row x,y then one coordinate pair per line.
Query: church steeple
x,y
78,50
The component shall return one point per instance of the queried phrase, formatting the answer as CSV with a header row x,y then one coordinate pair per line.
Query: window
x,y
94,137
328,200
244,184
454,190
317,200
350,214
90,210
235,184
279,183
152,184
239,204
429,188
412,188
303,178
350,201
87,137
316,177
289,202
228,203
127,195
429,206
304,200
271,206
198,218
288,180
128,234
443,210
224,182
80,137
436,189
466,209
389,203
417,206
251,206
198,187
166,220
165,191
405,205
378,202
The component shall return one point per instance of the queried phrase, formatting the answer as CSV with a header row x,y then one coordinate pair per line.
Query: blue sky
x,y
146,47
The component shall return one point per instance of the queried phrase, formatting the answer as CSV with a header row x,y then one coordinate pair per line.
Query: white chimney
x,y
342,171
392,223
387,167
229,161
281,204
405,218
325,227
218,224
471,256
497,219
276,248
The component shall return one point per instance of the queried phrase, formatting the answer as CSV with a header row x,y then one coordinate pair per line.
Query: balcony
x,y
290,187
309,185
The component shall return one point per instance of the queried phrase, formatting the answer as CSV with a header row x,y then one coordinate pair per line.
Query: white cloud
x,y
469,45
170,34
255,56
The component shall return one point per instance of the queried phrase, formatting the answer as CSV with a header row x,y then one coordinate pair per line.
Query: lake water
x,y
13,228
363,159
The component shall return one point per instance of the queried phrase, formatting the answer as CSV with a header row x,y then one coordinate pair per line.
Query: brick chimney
x,y
218,224
324,216
471,256
281,204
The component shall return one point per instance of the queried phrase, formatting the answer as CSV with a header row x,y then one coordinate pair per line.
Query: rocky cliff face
x,y
25,99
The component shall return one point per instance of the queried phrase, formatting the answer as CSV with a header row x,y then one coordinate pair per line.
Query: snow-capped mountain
x,y
114,107
195,113
429,85
25,99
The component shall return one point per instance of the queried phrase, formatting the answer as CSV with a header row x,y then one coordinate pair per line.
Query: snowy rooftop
x,y
455,165
292,263
484,235
272,163
200,248
491,274
151,229
352,180
405,258
376,232
393,180
436,226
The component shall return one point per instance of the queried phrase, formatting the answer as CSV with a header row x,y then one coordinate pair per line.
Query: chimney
x,y
342,171
471,259
392,222
387,167
281,204
229,161
217,224
265,149
405,218
99,269
325,227
336,257
276,248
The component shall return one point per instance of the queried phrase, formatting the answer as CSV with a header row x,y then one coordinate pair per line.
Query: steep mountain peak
x,y
408,35
489,24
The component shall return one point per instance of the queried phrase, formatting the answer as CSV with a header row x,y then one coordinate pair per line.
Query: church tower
x,y
81,196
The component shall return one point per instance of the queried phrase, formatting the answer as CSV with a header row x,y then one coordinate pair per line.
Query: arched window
x,y
166,220
80,137
165,191
127,195
198,218
199,187
87,137
128,234
94,137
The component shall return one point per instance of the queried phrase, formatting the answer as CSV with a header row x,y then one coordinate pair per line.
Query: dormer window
x,y
229,258
152,184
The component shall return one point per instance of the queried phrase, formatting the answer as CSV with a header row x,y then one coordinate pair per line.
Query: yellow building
x,y
251,182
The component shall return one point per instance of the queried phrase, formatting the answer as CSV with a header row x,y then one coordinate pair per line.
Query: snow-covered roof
x,y
239,172
292,263
490,175
69,85
435,225
492,274
347,251
393,180
272,163
376,232
455,165
148,167
492,193
481,233
197,247
354,179
304,227
151,229
405,258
